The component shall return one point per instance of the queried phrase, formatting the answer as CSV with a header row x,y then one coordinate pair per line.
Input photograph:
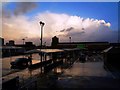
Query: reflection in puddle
x,y
58,70
6,67
86,69
35,61
76,70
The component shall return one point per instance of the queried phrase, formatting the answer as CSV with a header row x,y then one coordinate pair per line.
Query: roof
x,y
10,47
73,49
106,50
50,50
45,51
67,43
112,50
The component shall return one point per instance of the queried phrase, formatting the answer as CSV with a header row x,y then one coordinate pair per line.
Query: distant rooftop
x,y
82,43
10,47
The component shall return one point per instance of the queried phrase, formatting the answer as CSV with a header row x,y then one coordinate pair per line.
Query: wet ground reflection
x,y
90,74
87,69
6,67
79,75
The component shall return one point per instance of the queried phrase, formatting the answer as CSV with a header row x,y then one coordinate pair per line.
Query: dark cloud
x,y
62,30
20,8
24,7
69,29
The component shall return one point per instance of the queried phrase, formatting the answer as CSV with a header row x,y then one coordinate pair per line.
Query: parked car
x,y
20,63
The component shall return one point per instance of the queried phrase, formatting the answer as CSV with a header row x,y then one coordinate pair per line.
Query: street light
x,y
41,24
24,45
24,40
70,39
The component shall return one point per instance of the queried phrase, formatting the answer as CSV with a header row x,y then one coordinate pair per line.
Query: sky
x,y
82,21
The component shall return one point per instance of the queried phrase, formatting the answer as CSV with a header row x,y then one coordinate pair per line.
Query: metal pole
x,y
23,47
41,35
42,24
41,44
70,41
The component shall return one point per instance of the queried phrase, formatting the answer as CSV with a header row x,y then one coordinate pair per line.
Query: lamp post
x,y
24,45
41,24
23,40
70,39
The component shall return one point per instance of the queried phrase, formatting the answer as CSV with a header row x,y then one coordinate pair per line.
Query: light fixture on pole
x,y
23,40
70,39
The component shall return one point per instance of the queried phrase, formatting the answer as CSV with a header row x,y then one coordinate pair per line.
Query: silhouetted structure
x,y
29,43
112,58
26,46
11,43
1,41
11,51
55,42
115,44
7,44
89,45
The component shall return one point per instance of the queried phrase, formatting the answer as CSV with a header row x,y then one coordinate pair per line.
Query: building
x,y
29,43
1,41
11,51
55,41
27,46
10,43
89,45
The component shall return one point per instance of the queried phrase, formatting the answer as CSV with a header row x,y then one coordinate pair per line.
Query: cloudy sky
x,y
82,21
